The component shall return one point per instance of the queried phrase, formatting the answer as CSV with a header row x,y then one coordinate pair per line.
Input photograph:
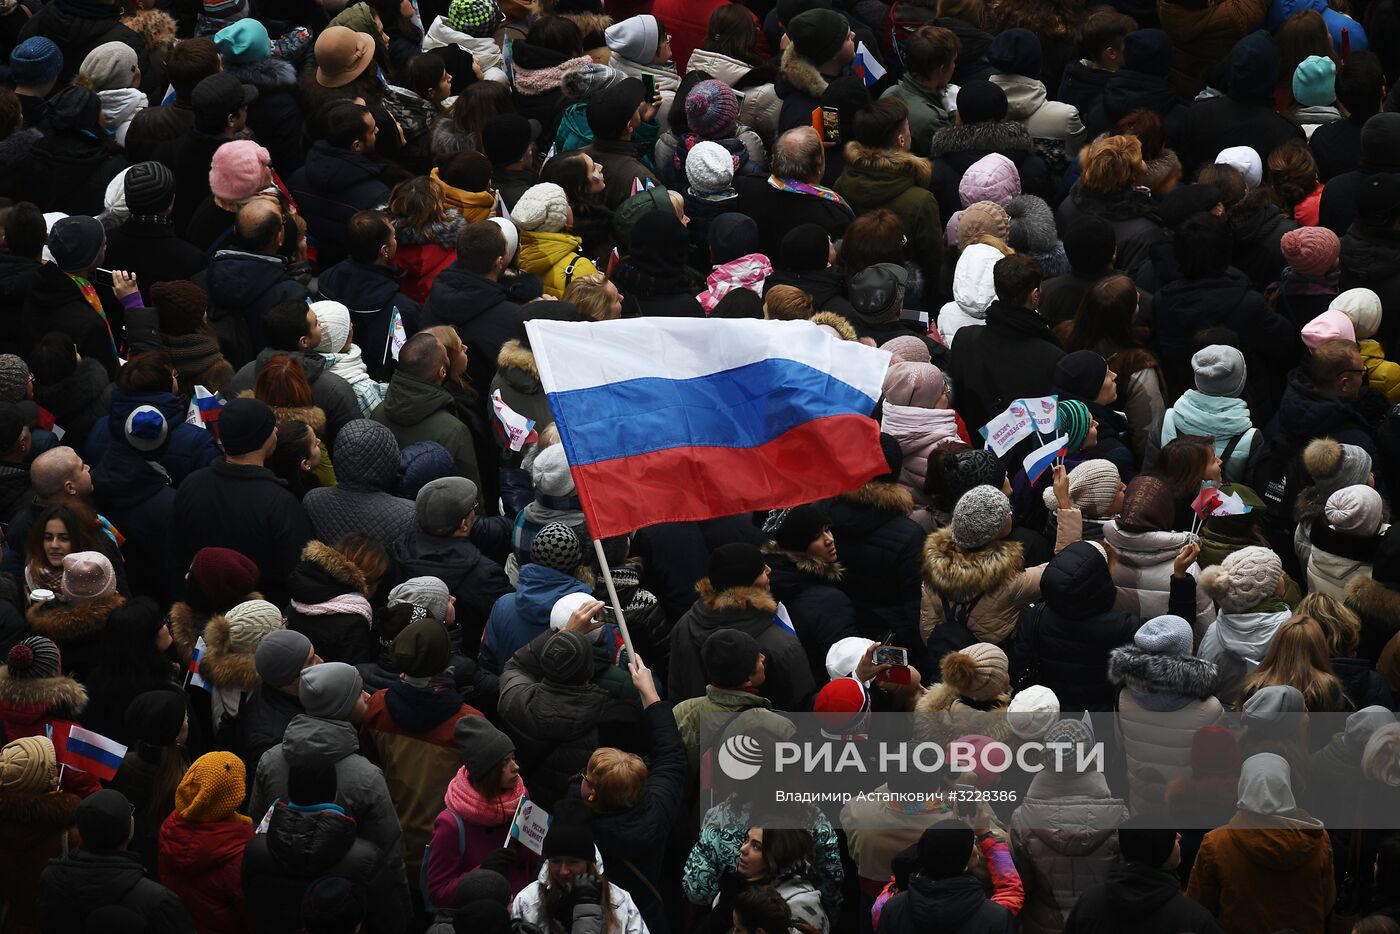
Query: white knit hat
x,y
709,168
1245,579
1363,307
1093,486
1356,510
1032,711
512,234
334,319
844,654
544,208
249,622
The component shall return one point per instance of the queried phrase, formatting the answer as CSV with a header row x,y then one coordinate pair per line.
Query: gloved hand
x,y
500,860
587,890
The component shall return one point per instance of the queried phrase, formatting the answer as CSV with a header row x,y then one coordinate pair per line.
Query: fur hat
x,y
87,575
1093,486
978,672
1219,370
1032,711
1328,326
1147,506
1311,251
28,766
543,208
1244,580
1363,307
979,516
1355,510
1164,635
1032,225
1333,465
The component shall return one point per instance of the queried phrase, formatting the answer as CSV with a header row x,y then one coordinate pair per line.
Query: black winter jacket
x,y
474,579
372,295
777,211
1226,121
956,148
241,287
1012,357
262,719
68,172
1140,898
149,248
333,394
77,27
135,493
332,187
55,303
675,555
1126,91
1371,260
76,885
78,400
810,590
486,314
957,905
322,575
189,449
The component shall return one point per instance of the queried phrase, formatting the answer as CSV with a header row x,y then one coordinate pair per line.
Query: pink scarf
x,y
349,603
746,272
463,799
530,82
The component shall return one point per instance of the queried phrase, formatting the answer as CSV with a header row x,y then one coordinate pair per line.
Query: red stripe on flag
x,y
815,460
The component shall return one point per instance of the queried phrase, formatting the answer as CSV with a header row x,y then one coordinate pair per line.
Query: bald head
x,y
60,472
423,357
259,225
798,154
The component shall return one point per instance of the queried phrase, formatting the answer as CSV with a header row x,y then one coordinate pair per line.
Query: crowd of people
x,y
302,622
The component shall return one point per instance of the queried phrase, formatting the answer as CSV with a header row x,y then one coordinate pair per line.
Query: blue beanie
x,y
35,61
1015,52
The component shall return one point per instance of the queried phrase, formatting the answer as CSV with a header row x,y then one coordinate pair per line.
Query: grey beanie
x,y
1164,635
1363,724
480,745
1334,465
1220,370
428,592
330,690
481,885
567,658
280,657
979,516
1269,706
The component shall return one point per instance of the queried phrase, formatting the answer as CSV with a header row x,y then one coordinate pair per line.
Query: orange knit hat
x,y
212,789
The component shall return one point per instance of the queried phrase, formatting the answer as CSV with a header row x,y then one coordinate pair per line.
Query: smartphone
x,y
831,125
966,806
102,276
892,655
649,83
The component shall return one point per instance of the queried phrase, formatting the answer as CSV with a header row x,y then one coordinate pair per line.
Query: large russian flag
x,y
675,419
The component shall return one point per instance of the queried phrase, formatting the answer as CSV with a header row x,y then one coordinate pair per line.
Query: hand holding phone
x,y
891,655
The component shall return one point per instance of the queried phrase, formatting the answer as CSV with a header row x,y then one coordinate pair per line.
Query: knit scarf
x,y
90,295
350,366
464,800
351,604
38,575
793,186
533,82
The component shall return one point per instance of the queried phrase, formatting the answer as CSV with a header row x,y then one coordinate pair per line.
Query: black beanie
x,y
729,657
1186,201
155,717
570,835
800,528
1145,843
945,848
735,565
1080,375
104,820
980,101
804,248
894,458
1089,243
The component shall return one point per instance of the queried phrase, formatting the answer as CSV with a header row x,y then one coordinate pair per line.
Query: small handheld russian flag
x,y
867,66
87,751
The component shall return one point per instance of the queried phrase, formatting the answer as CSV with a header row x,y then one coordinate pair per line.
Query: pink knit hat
x,y
1328,326
239,170
1311,251
919,385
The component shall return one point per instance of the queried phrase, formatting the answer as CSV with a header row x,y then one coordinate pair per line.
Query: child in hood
x,y
640,47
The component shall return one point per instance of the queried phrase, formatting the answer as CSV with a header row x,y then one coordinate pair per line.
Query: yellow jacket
x,y
555,257
474,205
1383,374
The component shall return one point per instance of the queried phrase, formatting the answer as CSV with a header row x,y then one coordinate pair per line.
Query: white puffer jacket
x,y
529,906
760,106
973,291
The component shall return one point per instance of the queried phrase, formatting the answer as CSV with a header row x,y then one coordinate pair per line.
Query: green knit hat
x,y
1074,419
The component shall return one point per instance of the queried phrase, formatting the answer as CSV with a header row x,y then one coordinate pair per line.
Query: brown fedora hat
x,y
342,55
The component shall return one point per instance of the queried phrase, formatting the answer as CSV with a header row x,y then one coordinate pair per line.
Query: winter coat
x,y
77,27
898,181
1056,127
202,863
810,590
1164,700
826,286
621,167
1382,375
973,291
135,495
76,885
1133,215
957,148
1335,558
920,431
1186,306
420,259
1078,628
1260,874
1013,357
329,189
519,618
416,410
408,732
800,86
303,844
474,579
1225,121
462,839
1200,38
1371,259
1378,606
1082,84
994,578
1141,898
485,312
262,721
518,380
35,828
77,401
321,576
789,684
746,713
1128,90
69,171
1224,418
55,303
190,447
1064,838
556,727
776,211
929,111
242,286
957,905
150,248
1236,639
245,508
1257,227
557,258
760,106
275,117
1143,573
78,629
374,297
1363,685
1305,413
528,905
362,499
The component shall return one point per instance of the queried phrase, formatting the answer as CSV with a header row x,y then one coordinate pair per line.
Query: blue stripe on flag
x,y
96,753
743,407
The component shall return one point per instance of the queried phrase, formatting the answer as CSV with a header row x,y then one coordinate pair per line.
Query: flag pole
x,y
612,595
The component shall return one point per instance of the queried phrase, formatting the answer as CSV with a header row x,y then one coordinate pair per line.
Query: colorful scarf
x,y
793,186
90,295
463,799
746,272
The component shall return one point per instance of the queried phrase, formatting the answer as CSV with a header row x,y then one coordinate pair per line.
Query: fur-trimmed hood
x,y
516,364
962,575
735,598
312,416
591,24
837,323
60,696
889,162
222,664
1003,136
944,697
65,622
1369,598
54,811
802,74
270,74
886,497
1148,673
334,564
805,563
183,629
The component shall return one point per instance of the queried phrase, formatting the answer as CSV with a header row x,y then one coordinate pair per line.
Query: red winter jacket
x,y
421,263
687,23
202,864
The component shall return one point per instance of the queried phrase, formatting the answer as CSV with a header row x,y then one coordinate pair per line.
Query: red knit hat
x,y
223,575
1311,251
1215,752
841,706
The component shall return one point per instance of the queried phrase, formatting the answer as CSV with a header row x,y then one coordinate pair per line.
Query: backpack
x,y
427,851
1277,475
953,634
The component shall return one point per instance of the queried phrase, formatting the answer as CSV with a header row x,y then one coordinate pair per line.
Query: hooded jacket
x,y
1241,118
1064,838
973,291
789,683
329,189
78,629
920,431
1222,417
69,171
374,297
78,400
1056,127
1136,226
275,117
415,410
202,863
519,618
135,494
76,885
809,589
1305,413
77,27
898,181
800,86
119,105
485,312
1141,898
958,905
1377,605
557,258
760,105
518,380
1234,640
1369,260
34,706
1143,574
1128,90
362,499
241,287
421,257
474,579
1335,558
320,577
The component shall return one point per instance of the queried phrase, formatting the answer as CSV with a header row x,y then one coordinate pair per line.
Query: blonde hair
x,y
787,303
590,296
1112,164
1297,657
1340,626
451,342
677,202
618,778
